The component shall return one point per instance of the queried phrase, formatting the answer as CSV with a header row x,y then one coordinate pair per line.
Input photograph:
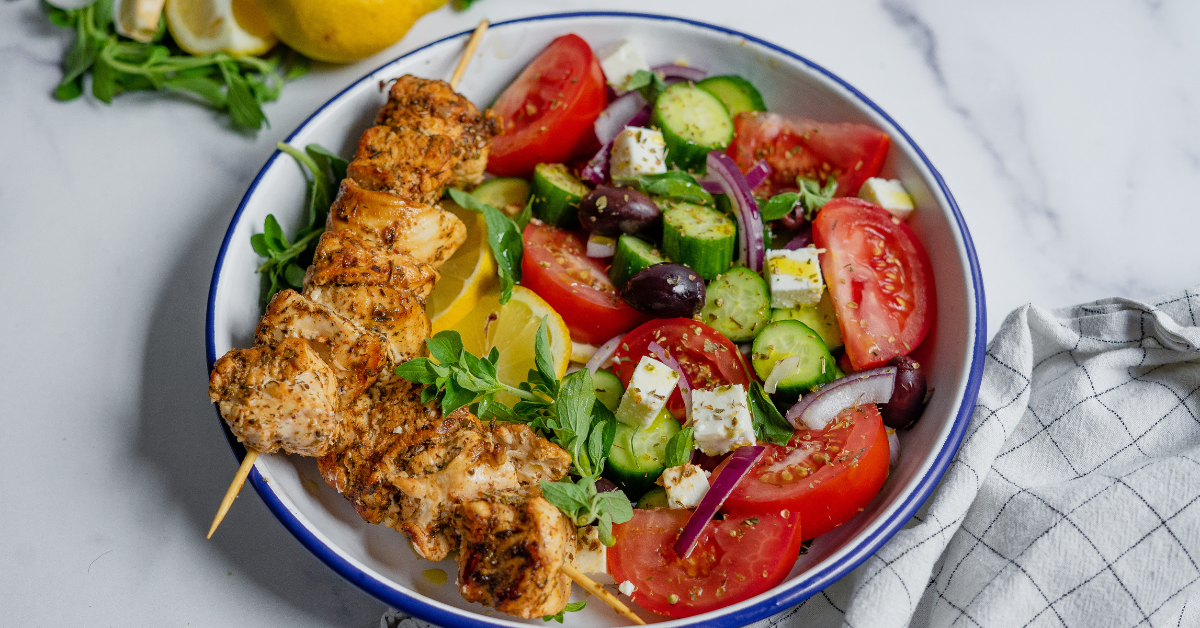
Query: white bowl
x,y
380,560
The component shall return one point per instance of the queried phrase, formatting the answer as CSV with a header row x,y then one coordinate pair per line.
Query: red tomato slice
x,y
548,111
706,355
826,475
735,559
557,268
880,279
792,146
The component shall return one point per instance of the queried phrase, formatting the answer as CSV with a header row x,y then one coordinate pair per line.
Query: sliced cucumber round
x,y
737,303
700,237
654,498
508,194
608,389
785,339
633,254
638,455
556,195
819,317
693,123
735,92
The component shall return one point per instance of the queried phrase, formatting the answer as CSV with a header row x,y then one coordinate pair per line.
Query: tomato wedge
x,y
557,268
548,111
852,153
879,277
826,475
707,356
735,559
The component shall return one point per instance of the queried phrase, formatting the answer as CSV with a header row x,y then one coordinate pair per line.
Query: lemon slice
x,y
205,26
465,276
512,329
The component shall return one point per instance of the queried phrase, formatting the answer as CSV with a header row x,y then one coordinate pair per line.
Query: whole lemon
x,y
340,31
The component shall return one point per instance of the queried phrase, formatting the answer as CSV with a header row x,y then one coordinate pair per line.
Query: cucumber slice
x,y
508,194
633,254
784,339
693,123
701,237
608,389
735,92
556,195
638,455
654,498
820,318
737,304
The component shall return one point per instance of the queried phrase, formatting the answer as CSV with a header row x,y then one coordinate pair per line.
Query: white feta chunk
x,y
627,588
637,152
888,194
649,388
620,62
721,419
590,555
686,485
794,276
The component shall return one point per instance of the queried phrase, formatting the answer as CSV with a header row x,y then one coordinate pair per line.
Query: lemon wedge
x,y
205,26
341,31
512,329
465,276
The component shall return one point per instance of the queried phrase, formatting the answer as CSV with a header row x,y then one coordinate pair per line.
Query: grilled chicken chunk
x,y
402,161
397,316
344,258
428,233
433,108
280,397
512,555
354,354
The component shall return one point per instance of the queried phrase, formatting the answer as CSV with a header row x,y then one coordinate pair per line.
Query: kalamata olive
x,y
908,397
612,211
665,291
605,485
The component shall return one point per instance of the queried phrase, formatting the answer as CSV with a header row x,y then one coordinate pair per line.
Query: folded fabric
x,y
1073,500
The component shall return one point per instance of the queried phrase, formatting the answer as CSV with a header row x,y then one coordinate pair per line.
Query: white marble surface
x,y
1069,132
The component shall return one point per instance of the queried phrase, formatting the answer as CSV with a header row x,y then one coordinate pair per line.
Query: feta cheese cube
x,y
795,277
721,419
888,194
620,61
649,388
686,485
627,588
590,555
637,152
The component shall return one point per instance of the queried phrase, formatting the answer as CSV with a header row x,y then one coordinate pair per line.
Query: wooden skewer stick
x,y
605,596
472,44
239,478
234,488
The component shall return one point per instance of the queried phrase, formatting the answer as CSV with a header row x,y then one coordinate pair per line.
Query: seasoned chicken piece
x,y
354,354
433,108
281,397
344,258
512,554
397,316
403,161
428,233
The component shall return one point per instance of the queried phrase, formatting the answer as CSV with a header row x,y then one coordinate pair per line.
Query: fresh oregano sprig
x,y
571,607
504,238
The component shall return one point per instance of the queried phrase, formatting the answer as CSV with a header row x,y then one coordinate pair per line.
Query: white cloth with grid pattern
x,y
1074,499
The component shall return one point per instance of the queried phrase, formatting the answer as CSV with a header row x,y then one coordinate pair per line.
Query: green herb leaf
x,y
571,607
679,448
674,184
779,206
326,159
210,90
417,371
504,238
813,197
543,356
446,347
569,497
650,84
769,424
522,219
104,78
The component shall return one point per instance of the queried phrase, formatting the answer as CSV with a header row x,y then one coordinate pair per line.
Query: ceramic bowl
x,y
380,560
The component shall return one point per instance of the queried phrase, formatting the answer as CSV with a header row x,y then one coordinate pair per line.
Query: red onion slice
x,y
596,170
803,238
738,464
684,385
601,246
893,448
816,410
757,173
682,72
619,114
752,249
606,351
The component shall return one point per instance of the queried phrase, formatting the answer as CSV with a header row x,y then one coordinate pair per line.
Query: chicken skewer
x,y
239,478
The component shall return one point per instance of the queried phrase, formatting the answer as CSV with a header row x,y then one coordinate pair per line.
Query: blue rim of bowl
x,y
812,583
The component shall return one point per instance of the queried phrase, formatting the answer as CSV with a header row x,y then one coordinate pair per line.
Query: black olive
x,y
612,211
908,397
665,291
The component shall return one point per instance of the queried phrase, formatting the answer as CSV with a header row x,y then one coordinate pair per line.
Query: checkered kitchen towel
x,y
1075,497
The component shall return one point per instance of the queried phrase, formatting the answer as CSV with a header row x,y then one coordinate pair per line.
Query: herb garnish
x,y
679,448
234,84
504,238
810,199
675,184
570,608
650,84
769,424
